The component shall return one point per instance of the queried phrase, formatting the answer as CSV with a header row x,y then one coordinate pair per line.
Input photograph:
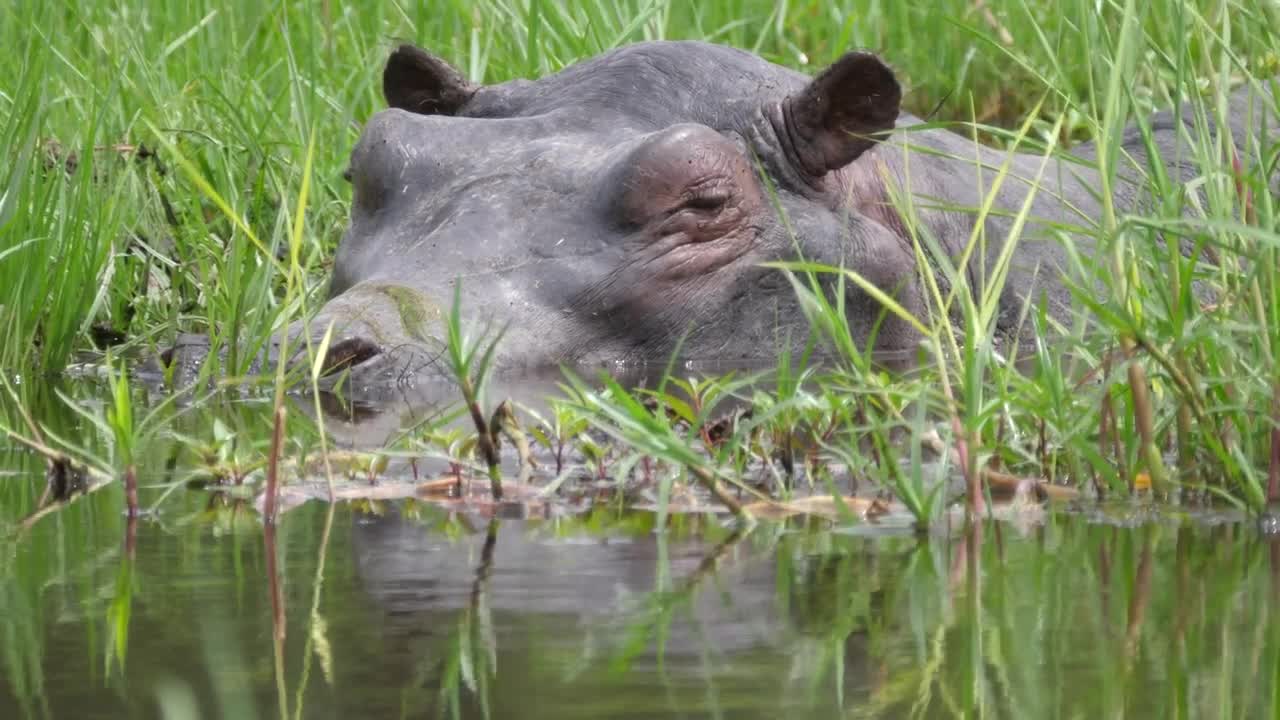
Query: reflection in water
x,y
406,611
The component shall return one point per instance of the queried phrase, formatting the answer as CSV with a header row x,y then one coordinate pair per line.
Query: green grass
x,y
226,224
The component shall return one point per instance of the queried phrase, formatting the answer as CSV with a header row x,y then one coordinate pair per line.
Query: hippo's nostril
x,y
348,354
346,174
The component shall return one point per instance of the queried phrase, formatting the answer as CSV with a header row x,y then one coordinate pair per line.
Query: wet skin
x,y
626,205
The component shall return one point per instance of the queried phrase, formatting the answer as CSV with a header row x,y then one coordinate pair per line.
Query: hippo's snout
x,y
378,334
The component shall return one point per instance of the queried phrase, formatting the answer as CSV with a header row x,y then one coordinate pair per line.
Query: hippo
x,y
629,206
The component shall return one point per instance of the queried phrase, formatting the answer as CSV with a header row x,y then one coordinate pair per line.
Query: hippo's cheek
x,y
690,260
667,275
691,244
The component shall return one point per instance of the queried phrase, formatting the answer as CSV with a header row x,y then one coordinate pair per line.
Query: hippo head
x,y
617,210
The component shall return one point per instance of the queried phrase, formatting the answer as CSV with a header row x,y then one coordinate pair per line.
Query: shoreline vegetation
x,y
177,169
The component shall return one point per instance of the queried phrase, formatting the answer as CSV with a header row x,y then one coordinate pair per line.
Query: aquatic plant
x,y
470,361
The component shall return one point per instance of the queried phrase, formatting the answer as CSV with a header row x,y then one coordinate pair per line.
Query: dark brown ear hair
x,y
417,81
840,114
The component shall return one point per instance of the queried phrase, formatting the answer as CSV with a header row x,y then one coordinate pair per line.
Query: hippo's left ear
x,y
417,81
840,114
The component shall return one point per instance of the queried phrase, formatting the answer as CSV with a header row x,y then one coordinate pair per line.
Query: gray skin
x,y
624,206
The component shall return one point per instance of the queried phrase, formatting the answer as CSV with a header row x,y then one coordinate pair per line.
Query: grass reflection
x,y
411,611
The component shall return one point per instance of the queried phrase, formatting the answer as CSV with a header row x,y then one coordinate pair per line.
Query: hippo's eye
x,y
707,199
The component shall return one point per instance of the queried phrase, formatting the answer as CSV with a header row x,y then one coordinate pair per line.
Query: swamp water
x,y
404,608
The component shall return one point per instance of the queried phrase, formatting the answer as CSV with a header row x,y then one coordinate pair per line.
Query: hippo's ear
x,y
417,81
840,114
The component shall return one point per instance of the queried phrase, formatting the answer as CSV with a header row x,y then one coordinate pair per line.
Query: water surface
x,y
404,609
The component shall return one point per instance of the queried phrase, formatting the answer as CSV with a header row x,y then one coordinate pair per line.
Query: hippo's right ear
x,y
417,81
840,114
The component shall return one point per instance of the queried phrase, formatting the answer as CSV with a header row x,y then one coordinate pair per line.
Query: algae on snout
x,y
415,310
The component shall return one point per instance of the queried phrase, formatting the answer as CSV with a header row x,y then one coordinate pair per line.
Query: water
x,y
405,609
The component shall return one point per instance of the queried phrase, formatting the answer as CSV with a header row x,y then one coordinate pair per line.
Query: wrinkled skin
x,y
625,205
